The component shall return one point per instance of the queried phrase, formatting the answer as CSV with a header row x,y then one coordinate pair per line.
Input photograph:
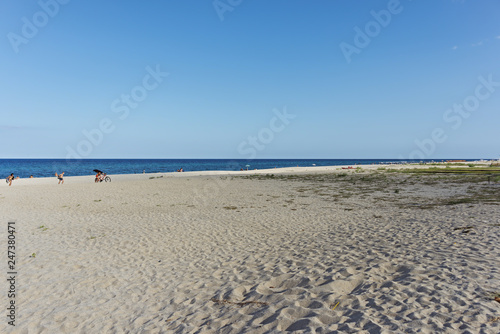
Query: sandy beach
x,y
306,250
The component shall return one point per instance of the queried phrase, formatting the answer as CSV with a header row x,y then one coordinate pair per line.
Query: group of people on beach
x,y
11,178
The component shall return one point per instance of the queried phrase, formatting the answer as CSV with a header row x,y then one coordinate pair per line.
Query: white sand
x,y
215,253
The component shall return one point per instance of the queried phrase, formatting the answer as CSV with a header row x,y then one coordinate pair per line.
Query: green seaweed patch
x,y
436,170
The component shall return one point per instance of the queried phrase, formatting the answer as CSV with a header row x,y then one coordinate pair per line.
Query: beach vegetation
x,y
455,201
457,186
474,171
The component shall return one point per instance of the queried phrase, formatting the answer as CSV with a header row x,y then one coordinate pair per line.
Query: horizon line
x,y
73,159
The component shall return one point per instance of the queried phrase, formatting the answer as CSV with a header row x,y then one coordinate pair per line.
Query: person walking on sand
x,y
60,177
10,178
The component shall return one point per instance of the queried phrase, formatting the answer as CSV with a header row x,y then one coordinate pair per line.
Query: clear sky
x,y
250,79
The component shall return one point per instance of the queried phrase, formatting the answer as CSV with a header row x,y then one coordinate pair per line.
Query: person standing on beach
x,y
10,178
60,177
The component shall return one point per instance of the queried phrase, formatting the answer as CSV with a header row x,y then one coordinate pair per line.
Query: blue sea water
x,y
47,167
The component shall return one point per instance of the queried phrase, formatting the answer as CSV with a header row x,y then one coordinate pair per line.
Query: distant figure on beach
x,y
10,178
144,171
31,177
97,177
180,170
60,177
17,177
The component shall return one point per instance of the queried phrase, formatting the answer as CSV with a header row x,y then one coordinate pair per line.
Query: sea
x,y
24,168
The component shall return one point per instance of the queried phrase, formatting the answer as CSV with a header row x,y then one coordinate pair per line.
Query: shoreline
x,y
282,170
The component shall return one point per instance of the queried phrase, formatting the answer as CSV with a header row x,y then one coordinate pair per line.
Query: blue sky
x,y
67,68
